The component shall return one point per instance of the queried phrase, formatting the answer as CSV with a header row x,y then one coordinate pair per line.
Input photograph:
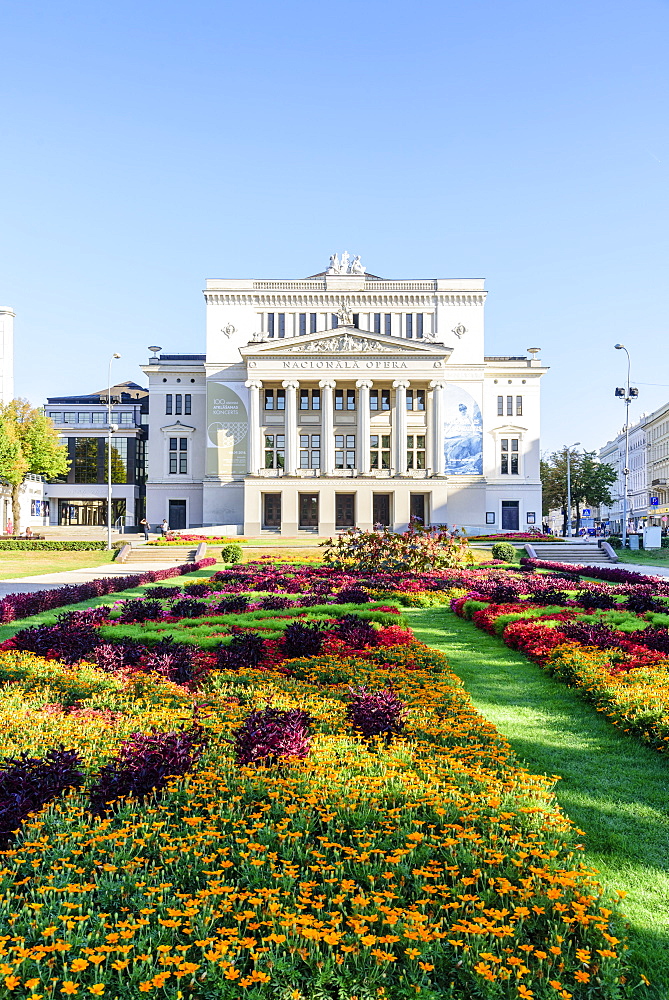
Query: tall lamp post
x,y
110,430
569,451
628,394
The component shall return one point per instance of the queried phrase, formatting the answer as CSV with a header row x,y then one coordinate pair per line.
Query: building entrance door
x,y
345,510
308,510
177,514
417,507
272,510
381,509
510,515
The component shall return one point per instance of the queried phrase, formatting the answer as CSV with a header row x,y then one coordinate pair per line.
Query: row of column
x,y
435,425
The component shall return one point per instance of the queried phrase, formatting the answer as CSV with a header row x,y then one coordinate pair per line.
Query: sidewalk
x,y
51,581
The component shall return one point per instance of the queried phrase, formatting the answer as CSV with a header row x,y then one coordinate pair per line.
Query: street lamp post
x,y
569,450
628,394
110,430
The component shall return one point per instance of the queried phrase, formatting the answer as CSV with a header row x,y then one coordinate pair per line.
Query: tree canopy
x,y
29,445
590,482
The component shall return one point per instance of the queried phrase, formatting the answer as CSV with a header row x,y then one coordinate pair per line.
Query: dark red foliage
x,y
276,603
234,603
28,783
189,607
144,763
246,650
302,640
356,632
68,643
173,660
352,595
141,610
376,713
271,734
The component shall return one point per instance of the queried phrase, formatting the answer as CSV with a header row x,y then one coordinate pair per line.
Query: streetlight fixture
x,y
569,451
628,394
110,430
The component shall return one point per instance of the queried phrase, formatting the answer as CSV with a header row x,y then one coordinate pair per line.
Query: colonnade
x,y
434,411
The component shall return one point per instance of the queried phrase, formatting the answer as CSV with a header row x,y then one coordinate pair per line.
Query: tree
x,y
29,445
590,482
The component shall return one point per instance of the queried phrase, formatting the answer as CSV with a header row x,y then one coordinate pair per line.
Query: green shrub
x,y
27,544
232,553
615,542
504,551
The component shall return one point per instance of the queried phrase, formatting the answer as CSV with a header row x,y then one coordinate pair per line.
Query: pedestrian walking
x,y
164,528
144,524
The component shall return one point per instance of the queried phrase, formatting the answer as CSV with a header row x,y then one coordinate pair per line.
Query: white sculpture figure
x,y
356,267
334,265
344,315
344,268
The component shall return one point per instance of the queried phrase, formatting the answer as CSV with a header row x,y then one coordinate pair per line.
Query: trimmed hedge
x,y
27,543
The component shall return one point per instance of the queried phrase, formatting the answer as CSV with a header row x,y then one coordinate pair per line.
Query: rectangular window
x,y
514,456
500,406
356,320
388,324
415,451
282,324
270,324
178,400
313,318
420,399
385,399
187,403
335,321
124,418
315,399
379,451
504,461
350,399
509,406
408,326
86,459
490,517
168,403
269,400
377,322
373,399
82,418
119,460
519,406
409,398
509,457
56,417
281,399
274,451
310,455
344,451
302,324
69,418
339,399
304,399
419,326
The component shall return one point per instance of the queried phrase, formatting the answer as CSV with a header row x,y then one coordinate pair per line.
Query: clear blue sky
x,y
148,146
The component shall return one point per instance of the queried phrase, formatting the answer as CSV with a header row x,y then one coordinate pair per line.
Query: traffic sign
x,y
654,501
585,512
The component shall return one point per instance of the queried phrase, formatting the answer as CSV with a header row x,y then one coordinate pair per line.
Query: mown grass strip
x,y
614,789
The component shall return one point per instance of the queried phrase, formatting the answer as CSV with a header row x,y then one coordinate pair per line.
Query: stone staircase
x,y
167,555
583,553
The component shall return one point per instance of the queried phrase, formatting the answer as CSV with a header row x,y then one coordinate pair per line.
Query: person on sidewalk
x,y
164,528
144,525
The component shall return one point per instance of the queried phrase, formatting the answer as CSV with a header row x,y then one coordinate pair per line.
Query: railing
x,y
288,286
400,286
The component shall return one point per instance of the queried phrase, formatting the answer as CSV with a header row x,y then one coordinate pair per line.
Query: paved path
x,y
51,581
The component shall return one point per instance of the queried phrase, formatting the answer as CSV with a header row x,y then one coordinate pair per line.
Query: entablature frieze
x,y
358,301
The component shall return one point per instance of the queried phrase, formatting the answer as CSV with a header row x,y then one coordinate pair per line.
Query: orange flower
x,y
146,986
79,965
11,982
97,990
69,987
581,977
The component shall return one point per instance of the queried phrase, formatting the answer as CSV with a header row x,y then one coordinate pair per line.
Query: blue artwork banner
x,y
463,433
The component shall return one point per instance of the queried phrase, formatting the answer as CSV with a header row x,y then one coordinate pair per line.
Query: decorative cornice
x,y
301,298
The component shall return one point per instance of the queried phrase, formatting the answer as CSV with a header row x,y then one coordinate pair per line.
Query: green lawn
x,y
614,789
651,557
19,563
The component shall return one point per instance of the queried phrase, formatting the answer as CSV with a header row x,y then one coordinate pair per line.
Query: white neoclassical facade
x,y
344,399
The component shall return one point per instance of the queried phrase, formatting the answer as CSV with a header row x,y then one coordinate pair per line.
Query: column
x,y
363,386
327,426
291,386
400,426
437,428
255,449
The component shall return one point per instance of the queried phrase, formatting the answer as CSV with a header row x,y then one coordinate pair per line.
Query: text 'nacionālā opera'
x,y
344,399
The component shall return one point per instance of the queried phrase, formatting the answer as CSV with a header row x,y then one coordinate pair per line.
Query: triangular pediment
x,y
345,340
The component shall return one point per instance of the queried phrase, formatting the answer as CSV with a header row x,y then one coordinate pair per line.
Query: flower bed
x,y
16,606
171,539
326,817
611,643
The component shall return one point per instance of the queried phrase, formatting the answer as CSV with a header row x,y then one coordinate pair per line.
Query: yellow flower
x,y
30,984
79,965
69,987
145,987
97,990
11,982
